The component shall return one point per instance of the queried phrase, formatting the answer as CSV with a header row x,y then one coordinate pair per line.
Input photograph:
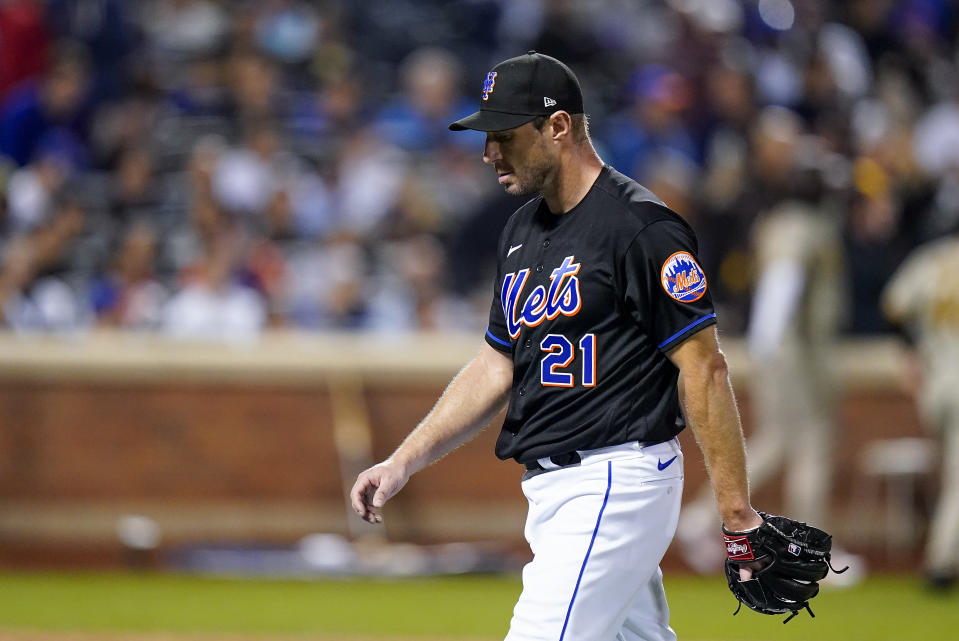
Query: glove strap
x,y
796,612
829,563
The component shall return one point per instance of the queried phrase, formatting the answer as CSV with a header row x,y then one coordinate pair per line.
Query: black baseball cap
x,y
519,89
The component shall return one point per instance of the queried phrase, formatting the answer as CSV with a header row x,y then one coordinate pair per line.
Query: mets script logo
x,y
541,304
683,278
488,85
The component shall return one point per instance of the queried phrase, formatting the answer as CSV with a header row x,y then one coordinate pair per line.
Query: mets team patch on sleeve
x,y
683,278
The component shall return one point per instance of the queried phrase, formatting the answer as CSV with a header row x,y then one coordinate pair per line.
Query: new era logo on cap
x,y
519,89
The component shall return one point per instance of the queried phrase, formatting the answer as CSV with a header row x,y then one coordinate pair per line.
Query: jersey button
x,y
546,243
529,343
539,268
522,391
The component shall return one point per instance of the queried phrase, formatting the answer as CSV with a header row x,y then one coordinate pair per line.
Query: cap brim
x,y
491,121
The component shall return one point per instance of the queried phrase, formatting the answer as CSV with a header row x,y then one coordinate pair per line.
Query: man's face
x,y
521,158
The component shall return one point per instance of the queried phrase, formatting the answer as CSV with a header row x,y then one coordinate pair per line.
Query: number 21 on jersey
x,y
559,354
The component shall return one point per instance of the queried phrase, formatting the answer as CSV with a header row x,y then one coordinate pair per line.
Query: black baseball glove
x,y
786,558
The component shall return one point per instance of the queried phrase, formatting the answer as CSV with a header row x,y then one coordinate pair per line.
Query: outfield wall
x,y
258,441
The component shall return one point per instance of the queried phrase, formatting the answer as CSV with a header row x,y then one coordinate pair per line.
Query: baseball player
x,y
599,304
922,298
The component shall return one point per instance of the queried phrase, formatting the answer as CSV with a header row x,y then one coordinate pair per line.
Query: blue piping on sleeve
x,y
501,342
686,329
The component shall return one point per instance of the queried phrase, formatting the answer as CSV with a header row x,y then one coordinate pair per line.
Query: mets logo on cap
x,y
488,85
683,278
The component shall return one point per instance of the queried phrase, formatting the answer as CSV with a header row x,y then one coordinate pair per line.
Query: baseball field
x,y
133,607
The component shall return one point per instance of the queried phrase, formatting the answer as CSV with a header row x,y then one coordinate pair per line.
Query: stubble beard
x,y
532,178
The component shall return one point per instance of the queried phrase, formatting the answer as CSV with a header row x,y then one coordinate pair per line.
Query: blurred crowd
x,y
210,168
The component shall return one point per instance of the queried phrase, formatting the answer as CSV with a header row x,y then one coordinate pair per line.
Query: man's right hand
x,y
374,487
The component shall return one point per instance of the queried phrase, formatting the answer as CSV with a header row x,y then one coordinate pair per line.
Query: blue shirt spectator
x,y
37,108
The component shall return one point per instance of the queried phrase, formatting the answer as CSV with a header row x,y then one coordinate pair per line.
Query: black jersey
x,y
587,303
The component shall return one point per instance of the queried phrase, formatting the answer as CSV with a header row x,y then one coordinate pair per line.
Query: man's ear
x,y
561,125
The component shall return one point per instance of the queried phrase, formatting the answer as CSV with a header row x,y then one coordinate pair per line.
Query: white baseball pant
x,y
598,531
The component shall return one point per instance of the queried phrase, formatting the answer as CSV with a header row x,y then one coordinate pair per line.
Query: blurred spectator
x,y
672,177
452,181
729,113
32,191
108,32
129,296
922,300
245,180
651,124
33,295
135,190
270,189
334,110
324,286
369,178
31,302
264,269
53,244
199,90
287,30
25,43
409,292
566,32
332,150
53,106
745,178
214,301
417,120
472,246
936,141
794,324
120,125
185,29
203,218
15,276
729,108
254,87
873,244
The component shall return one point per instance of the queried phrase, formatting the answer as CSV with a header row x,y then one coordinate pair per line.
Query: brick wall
x,y
213,454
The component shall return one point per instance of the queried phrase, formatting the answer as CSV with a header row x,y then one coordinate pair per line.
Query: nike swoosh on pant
x,y
662,466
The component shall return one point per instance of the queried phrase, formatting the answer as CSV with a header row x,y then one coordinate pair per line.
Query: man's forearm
x,y
714,418
474,396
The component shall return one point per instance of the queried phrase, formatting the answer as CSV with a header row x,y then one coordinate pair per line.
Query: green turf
x,y
472,607
883,608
